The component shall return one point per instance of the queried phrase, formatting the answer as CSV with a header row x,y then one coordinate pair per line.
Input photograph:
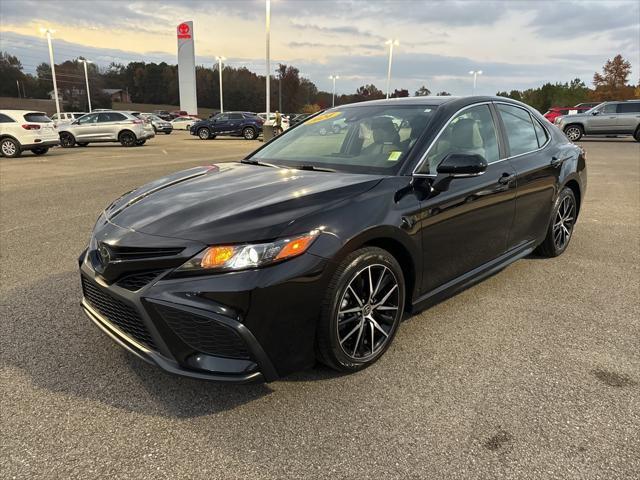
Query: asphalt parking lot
x,y
534,373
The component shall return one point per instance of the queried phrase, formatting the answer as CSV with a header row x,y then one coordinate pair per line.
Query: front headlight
x,y
240,257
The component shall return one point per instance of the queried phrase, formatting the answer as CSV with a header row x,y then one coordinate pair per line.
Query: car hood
x,y
233,202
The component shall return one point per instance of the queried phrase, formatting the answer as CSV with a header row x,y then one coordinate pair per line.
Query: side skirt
x,y
471,278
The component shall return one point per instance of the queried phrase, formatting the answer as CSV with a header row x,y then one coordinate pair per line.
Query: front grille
x,y
136,281
121,315
203,334
139,253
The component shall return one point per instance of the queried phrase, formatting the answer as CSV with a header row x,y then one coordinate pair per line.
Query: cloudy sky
x,y
518,43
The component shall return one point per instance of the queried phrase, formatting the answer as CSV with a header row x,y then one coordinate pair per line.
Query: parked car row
x,y
608,118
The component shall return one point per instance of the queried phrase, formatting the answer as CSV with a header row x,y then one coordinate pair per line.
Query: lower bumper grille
x,y
118,313
203,334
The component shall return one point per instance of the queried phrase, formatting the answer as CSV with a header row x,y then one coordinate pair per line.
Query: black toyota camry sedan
x,y
314,247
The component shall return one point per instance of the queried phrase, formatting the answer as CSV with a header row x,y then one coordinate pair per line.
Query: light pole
x,y
86,79
220,60
333,94
268,30
48,33
391,43
475,74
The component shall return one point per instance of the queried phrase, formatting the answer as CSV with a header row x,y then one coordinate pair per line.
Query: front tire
x,y
40,151
574,132
563,219
361,310
636,135
67,140
10,148
204,133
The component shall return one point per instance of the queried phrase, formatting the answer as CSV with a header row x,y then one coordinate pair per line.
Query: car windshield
x,y
356,139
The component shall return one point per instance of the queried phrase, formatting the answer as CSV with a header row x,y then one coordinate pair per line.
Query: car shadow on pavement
x,y
47,337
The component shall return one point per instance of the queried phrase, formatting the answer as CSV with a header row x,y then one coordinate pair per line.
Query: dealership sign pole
x,y
86,79
187,68
268,30
220,60
53,70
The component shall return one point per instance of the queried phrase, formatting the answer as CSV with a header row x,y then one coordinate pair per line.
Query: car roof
x,y
22,112
437,101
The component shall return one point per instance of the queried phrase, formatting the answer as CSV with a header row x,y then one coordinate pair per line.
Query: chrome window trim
x,y
424,156
533,119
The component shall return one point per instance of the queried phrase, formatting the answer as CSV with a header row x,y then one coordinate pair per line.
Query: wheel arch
x,y
127,130
575,187
6,135
574,124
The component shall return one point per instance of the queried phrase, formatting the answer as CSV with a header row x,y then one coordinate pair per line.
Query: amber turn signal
x,y
296,246
217,256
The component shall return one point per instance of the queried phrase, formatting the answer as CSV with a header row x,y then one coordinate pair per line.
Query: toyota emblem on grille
x,y
104,254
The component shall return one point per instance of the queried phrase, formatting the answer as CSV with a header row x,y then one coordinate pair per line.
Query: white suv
x,y
22,130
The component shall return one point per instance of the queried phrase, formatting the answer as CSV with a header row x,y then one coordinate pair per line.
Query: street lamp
x,y
333,94
220,60
48,33
86,79
475,74
268,31
391,43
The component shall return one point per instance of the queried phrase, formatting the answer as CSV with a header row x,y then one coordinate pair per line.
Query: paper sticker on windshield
x,y
323,117
394,156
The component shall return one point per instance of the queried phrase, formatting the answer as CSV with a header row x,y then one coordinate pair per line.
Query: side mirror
x,y
595,112
462,165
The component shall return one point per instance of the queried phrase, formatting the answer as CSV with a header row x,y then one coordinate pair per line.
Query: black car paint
x,y
444,240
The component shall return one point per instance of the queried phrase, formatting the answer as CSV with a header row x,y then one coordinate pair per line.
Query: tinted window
x,y
541,133
111,117
519,129
5,118
609,108
629,107
471,131
223,117
91,118
235,116
37,117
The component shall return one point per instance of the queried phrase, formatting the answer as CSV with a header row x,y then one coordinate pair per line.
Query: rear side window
x,y
519,128
5,118
541,133
235,116
37,117
630,107
111,117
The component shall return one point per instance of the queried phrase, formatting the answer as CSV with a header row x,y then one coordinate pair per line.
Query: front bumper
x,y
238,327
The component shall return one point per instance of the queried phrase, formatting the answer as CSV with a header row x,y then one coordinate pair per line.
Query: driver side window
x,y
470,132
87,119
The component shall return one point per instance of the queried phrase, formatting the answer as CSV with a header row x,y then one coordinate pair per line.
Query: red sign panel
x,y
184,31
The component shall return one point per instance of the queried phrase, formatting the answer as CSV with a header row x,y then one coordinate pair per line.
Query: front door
x,y
605,121
221,124
467,225
86,128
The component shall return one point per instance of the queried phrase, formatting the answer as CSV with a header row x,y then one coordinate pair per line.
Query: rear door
x,y
628,117
537,166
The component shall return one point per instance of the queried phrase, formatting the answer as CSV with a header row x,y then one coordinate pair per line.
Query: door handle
x,y
506,178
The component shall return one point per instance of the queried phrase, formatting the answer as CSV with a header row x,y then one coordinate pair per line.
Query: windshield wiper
x,y
249,161
312,168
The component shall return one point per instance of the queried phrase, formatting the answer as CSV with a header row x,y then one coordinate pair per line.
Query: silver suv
x,y
109,126
608,118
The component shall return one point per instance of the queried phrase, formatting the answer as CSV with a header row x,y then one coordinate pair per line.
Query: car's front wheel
x,y
204,133
560,230
10,148
574,132
67,140
361,311
249,133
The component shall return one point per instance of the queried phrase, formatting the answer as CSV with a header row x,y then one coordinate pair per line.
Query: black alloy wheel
x,y
362,311
560,229
40,150
127,139
67,140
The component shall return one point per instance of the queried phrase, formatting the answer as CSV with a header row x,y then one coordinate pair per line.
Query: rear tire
x,y
361,311
10,148
67,140
40,151
204,133
574,132
249,133
127,139
560,230
83,144
637,134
